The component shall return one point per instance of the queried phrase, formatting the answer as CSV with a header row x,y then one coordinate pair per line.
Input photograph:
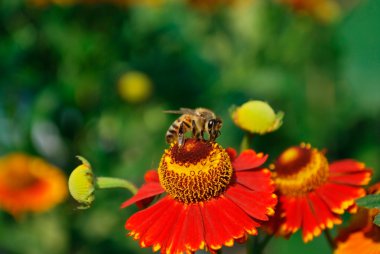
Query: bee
x,y
198,121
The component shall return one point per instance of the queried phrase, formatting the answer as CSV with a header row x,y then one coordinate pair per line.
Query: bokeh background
x,y
93,78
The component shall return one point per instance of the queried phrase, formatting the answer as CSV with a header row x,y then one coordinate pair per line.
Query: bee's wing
x,y
181,111
189,111
173,112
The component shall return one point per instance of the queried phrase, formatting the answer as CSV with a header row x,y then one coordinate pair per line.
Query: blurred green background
x,y
62,93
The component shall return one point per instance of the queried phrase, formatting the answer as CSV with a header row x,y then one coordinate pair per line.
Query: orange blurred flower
x,y
361,236
213,198
208,5
323,10
29,184
313,192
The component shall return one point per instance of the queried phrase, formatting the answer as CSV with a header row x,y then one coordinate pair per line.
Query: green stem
x,y
111,182
246,141
329,239
254,245
264,243
219,251
251,244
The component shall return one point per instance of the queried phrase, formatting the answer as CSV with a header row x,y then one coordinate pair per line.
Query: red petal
x,y
194,234
141,221
256,180
151,176
323,213
153,226
310,226
357,178
232,153
248,159
146,191
339,197
187,235
293,213
254,203
175,242
236,220
216,233
347,165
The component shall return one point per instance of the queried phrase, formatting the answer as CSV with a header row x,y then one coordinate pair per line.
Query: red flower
x,y
312,192
213,198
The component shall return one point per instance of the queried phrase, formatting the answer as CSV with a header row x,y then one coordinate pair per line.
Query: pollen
x,y
300,170
195,172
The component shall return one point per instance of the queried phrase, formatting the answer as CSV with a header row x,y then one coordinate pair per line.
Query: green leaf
x,y
376,221
369,201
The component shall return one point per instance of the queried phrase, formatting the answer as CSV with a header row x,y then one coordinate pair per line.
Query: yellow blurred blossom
x,y
29,184
134,87
257,117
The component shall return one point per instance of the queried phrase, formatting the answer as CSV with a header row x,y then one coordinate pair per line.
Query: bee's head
x,y
214,126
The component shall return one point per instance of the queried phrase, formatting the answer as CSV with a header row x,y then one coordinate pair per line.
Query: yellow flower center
x,y
300,170
196,172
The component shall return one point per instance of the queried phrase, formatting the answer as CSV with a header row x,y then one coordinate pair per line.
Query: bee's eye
x,y
210,124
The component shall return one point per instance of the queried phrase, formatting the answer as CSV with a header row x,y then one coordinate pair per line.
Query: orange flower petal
x,y
360,242
146,191
248,159
254,203
30,184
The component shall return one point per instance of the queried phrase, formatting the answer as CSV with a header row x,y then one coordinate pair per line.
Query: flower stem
x,y
329,239
246,141
256,246
111,182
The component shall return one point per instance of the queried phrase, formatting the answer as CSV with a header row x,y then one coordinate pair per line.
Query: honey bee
x,y
197,121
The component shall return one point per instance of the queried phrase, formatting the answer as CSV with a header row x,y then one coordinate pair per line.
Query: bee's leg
x,y
181,137
196,133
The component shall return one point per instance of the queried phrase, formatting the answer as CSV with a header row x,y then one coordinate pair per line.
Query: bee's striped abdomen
x,y
172,132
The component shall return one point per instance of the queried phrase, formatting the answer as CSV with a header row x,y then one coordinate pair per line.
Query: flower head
x,y
82,184
361,236
213,198
257,117
29,184
312,192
